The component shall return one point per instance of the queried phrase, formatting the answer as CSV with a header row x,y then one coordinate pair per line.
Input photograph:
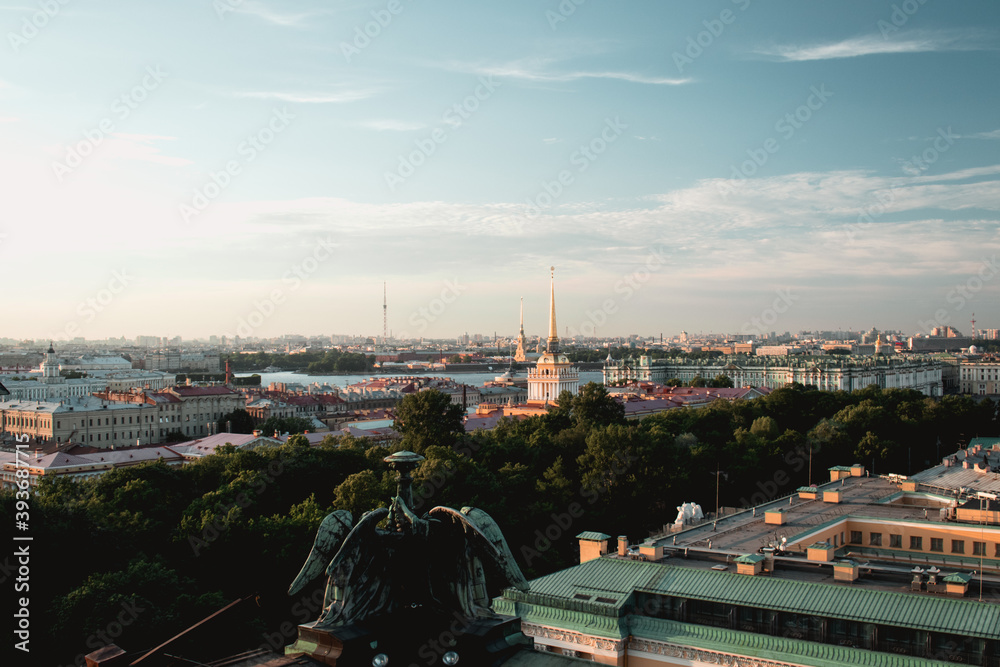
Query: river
x,y
473,379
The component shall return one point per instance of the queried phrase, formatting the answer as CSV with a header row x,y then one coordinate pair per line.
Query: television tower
x,y
973,326
385,317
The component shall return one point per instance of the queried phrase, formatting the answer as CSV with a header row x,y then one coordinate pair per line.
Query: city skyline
x,y
690,166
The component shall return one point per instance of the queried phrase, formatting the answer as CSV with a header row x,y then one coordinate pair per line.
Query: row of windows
x,y
835,631
114,436
917,543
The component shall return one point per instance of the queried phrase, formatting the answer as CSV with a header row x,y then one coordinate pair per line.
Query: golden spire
x,y
553,341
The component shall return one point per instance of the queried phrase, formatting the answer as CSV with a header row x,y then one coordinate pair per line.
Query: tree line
x,y
178,543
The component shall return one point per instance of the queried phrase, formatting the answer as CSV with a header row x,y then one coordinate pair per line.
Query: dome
x,y
973,349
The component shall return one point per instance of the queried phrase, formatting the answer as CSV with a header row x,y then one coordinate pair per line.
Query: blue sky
x,y
263,167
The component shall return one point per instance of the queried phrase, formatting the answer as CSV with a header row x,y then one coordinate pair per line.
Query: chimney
x,y
622,545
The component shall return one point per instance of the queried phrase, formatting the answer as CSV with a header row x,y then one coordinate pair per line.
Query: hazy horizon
x,y
183,169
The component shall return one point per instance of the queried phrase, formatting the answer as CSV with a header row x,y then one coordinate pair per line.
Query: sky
x,y
257,168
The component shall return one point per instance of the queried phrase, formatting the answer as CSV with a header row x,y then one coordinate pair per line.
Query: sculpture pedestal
x,y
413,636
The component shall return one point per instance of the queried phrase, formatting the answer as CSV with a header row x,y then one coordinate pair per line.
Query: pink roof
x,y
217,390
160,397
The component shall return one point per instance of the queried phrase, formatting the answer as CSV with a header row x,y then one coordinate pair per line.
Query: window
x,y
937,544
896,541
917,543
979,548
856,537
875,539
958,546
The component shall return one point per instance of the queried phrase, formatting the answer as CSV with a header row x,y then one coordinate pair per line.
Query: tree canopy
x,y
181,542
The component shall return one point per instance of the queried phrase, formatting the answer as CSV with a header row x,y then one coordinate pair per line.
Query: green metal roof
x,y
808,489
592,536
840,468
821,545
958,578
908,610
616,579
766,647
750,558
985,442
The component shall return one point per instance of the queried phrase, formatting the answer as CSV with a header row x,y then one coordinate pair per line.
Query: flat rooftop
x,y
747,531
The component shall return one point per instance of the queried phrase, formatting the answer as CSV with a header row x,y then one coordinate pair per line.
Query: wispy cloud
x,y
9,119
993,134
547,70
340,97
522,71
141,148
265,13
867,45
389,125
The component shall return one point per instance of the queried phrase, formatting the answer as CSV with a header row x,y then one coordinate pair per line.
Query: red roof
x,y
217,390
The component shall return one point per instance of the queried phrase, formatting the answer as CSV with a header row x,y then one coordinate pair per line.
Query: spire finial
x,y
553,341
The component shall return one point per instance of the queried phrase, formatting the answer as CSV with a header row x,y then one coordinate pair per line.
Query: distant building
x,y
860,570
87,420
938,343
553,373
924,375
522,343
981,378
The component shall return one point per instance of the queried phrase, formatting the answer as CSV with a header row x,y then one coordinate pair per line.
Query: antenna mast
x,y
385,317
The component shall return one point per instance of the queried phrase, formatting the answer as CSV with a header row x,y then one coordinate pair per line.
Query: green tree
x,y
698,381
593,406
428,418
282,425
237,421
361,492
721,381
